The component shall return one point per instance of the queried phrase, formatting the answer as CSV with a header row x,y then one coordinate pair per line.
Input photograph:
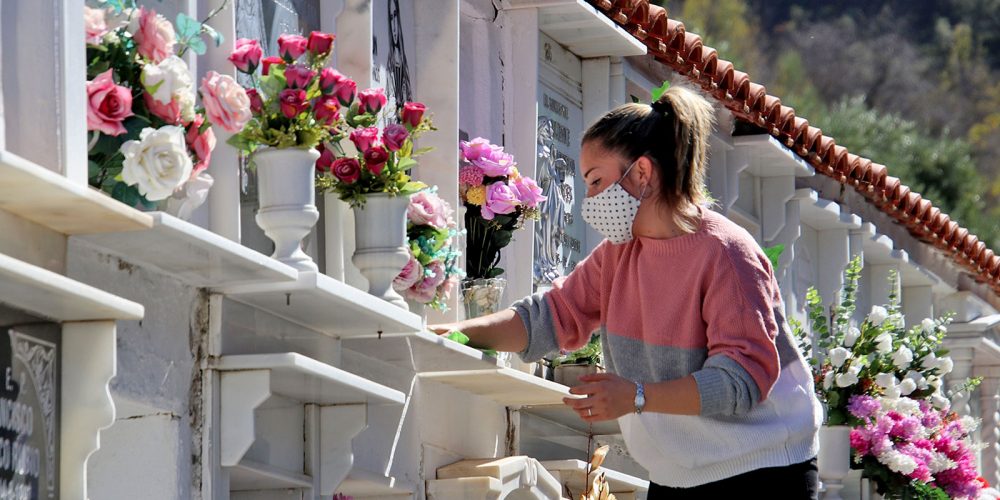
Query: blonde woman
x,y
711,394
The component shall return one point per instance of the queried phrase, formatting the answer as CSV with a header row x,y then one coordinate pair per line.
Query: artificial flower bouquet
x,y
377,160
432,272
885,380
148,140
497,200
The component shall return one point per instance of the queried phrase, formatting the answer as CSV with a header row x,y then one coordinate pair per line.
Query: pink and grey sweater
x,y
704,304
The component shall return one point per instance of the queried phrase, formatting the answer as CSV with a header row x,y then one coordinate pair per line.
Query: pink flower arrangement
x,y
431,274
148,138
902,441
498,201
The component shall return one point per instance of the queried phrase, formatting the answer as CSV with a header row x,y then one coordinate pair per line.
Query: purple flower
x,y
528,192
497,164
426,290
500,199
477,148
907,428
863,406
394,136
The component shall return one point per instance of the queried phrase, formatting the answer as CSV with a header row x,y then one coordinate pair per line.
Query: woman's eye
x,y
594,182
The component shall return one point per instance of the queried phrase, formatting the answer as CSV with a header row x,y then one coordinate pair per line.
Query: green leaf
x,y
215,35
412,187
457,336
406,163
93,169
658,92
634,98
774,254
198,46
187,27
493,273
117,5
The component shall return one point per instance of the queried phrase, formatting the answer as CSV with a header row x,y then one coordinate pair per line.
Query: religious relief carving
x,y
39,357
555,178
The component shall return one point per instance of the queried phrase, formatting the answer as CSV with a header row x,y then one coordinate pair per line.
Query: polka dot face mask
x,y
612,211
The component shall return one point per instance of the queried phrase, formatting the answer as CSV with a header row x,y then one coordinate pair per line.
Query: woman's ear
x,y
646,170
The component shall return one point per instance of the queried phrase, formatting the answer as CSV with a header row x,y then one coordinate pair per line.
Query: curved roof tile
x,y
669,42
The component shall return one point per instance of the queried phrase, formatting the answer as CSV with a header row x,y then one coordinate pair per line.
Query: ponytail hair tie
x,y
661,106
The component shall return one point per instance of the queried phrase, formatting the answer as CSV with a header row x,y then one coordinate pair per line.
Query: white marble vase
x,y
286,190
380,243
834,459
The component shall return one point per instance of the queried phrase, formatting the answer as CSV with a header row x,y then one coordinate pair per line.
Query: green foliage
x,y
591,354
656,93
485,239
774,254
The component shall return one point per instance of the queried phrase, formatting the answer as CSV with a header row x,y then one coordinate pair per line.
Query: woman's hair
x,y
673,132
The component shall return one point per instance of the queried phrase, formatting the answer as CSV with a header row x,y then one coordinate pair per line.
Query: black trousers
x,y
791,482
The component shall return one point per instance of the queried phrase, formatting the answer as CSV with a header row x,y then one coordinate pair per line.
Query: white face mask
x,y
612,211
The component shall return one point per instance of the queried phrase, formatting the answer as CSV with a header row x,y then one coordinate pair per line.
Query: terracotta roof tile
x,y
669,43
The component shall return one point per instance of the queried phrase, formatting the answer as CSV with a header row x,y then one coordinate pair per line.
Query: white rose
x,y
885,380
934,381
883,343
917,378
878,315
838,355
191,196
169,79
945,365
158,162
902,357
851,336
893,392
929,362
846,379
828,380
940,402
928,325
907,386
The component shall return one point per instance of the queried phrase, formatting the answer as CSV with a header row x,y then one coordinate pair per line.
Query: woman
x,y
711,394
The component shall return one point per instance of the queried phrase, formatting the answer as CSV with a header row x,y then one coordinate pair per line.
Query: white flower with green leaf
x,y
902,357
878,315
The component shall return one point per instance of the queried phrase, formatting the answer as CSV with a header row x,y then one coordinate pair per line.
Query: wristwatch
x,y
640,397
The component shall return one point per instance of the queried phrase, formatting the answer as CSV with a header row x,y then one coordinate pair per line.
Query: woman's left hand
x,y
608,396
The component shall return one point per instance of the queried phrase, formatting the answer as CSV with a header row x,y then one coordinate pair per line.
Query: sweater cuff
x,y
725,387
540,325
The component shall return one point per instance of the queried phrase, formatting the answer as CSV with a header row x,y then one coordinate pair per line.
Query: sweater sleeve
x,y
565,315
743,362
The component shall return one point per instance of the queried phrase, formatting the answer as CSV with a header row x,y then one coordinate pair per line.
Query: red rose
x,y
328,78
320,43
413,112
347,170
375,158
327,110
298,76
394,135
256,103
345,89
363,138
325,161
268,61
372,100
247,55
290,47
293,102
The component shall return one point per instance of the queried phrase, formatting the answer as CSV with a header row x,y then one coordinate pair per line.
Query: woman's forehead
x,y
595,156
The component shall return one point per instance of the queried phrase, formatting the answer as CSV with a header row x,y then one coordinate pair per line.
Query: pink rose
x,y
375,158
347,170
107,105
155,36
364,137
344,88
477,148
412,113
427,289
201,143
427,208
299,76
327,110
325,162
94,25
327,79
293,102
170,112
394,136
495,163
500,199
267,62
226,102
372,100
290,47
528,191
320,43
256,103
412,273
247,55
